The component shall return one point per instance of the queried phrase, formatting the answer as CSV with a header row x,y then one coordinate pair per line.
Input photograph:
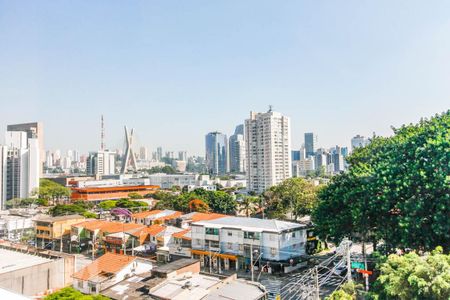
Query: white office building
x,y
101,163
268,150
303,167
20,166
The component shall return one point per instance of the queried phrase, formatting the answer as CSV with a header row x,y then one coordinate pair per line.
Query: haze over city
x,y
338,69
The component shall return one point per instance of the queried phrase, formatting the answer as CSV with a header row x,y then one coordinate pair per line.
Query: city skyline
x,y
337,70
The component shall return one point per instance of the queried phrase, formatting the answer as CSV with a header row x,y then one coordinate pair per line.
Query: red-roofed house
x,y
108,270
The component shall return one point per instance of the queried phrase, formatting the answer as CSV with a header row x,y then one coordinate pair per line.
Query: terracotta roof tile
x,y
108,263
144,214
185,234
206,216
108,226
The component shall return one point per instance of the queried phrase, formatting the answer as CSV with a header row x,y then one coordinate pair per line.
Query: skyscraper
x,y
216,146
182,155
159,153
237,150
20,166
359,141
34,130
268,150
310,144
143,153
101,163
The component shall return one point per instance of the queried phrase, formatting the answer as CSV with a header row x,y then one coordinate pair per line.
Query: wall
x,y
36,279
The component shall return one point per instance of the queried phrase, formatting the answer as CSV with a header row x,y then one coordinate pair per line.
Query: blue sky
x,y
175,70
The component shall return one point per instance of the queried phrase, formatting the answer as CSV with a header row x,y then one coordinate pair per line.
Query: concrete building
x,y
237,150
34,130
102,162
20,166
182,155
268,150
108,270
303,167
166,181
55,230
143,153
216,146
235,239
14,227
359,141
32,273
310,143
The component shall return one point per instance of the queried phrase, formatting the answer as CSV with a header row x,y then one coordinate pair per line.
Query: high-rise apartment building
x,y
237,150
159,153
20,166
182,155
101,163
216,146
310,144
268,150
359,141
143,153
34,130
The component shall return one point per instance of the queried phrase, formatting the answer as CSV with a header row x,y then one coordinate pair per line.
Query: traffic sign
x,y
357,265
364,271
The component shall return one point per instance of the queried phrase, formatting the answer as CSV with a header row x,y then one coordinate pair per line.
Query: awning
x,y
221,255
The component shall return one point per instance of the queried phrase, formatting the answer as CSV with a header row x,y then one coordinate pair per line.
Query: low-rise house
x,y
14,227
163,240
231,242
150,217
108,270
186,220
181,280
54,229
180,245
93,234
197,286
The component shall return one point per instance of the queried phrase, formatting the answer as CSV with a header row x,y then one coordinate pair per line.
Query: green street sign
x,y
358,265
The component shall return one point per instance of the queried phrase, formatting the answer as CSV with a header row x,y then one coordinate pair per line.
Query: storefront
x,y
219,261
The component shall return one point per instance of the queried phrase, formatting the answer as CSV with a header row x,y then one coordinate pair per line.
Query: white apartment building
x,y
268,150
303,166
233,239
102,162
359,141
20,166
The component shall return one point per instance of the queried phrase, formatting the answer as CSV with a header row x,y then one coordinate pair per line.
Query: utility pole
x,y
349,265
316,277
132,246
210,257
61,239
251,260
366,276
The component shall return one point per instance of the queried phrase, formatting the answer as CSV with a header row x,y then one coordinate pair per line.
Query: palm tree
x,y
248,205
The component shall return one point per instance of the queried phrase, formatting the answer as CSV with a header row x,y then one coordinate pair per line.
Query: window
x,y
212,231
230,233
230,246
80,284
293,234
273,251
251,235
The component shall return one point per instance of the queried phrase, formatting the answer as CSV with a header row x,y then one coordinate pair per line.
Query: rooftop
x,y
237,290
199,216
108,226
250,224
109,263
175,265
58,218
11,260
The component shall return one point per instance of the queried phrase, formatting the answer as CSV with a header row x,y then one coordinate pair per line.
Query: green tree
x,y
248,204
348,291
52,191
397,189
69,293
295,196
66,209
221,202
134,196
107,205
411,277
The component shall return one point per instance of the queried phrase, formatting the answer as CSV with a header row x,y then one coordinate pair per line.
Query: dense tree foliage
x,y
78,207
292,198
69,293
134,196
217,201
348,291
52,191
397,190
165,170
411,277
